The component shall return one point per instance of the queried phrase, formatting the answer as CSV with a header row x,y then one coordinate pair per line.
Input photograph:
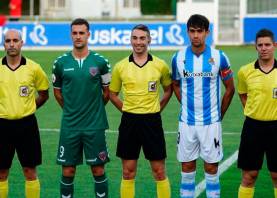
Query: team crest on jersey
x,y
93,71
152,86
275,93
102,155
211,61
24,91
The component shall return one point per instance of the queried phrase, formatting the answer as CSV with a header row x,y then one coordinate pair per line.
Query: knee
x,y
4,174
249,178
129,173
188,167
211,168
274,178
98,170
159,173
69,171
30,173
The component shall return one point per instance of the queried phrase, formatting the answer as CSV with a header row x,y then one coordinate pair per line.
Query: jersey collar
x,y
22,62
257,66
149,58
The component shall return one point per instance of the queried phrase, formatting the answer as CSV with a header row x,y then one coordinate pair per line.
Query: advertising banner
x,y
103,35
253,24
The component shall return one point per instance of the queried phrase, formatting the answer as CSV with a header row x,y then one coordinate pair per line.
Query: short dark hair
x,y
198,21
80,21
143,28
265,33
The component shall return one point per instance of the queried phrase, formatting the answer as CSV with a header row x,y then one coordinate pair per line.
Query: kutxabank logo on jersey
x,y
188,74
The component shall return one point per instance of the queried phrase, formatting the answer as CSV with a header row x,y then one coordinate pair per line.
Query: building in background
x,y
90,9
233,21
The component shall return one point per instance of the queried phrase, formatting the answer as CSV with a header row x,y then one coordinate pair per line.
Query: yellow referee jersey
x,y
140,84
261,90
18,88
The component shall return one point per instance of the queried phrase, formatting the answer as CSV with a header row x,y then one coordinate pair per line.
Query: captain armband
x,y
106,79
226,74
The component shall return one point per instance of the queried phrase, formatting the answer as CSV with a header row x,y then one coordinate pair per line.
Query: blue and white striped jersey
x,y
199,78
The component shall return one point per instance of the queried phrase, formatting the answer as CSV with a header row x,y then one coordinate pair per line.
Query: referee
x,y
20,79
257,87
140,76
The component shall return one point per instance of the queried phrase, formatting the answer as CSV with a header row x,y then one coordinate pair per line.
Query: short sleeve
x,y
242,86
116,82
56,75
166,77
105,71
225,67
174,68
41,80
105,66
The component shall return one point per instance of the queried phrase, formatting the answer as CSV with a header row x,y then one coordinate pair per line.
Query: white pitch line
x,y
222,168
116,131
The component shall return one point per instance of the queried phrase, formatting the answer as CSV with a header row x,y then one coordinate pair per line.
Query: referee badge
x,y
275,93
152,86
24,91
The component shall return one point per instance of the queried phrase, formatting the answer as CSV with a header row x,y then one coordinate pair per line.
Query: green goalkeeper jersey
x,y
81,81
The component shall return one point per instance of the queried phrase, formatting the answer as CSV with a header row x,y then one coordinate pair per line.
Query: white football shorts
x,y
204,141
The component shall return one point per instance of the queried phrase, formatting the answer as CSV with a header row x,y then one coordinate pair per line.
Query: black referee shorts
x,y
141,130
22,136
258,138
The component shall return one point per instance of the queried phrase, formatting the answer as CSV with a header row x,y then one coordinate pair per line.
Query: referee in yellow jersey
x,y
140,76
20,79
257,87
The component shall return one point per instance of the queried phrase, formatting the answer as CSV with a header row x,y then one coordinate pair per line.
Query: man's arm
x,y
243,99
42,98
106,93
58,96
116,100
166,96
228,95
176,89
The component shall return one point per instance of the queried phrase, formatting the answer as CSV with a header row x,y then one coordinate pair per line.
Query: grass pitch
x,y
49,118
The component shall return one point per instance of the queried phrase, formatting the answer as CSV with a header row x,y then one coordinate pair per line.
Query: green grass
x,y
49,117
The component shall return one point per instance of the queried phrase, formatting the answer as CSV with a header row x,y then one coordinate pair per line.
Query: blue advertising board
x,y
253,24
110,34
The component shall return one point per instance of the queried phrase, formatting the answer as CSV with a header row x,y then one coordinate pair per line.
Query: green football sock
x,y
101,186
67,187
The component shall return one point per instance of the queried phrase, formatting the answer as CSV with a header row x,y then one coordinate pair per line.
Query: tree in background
x,y
156,7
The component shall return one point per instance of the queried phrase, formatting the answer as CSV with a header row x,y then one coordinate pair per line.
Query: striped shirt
x,y
199,78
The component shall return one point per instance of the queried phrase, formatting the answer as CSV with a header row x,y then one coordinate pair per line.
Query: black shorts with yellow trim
x,y
22,136
138,131
258,138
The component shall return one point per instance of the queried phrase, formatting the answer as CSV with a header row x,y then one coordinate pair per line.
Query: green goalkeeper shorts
x,y
72,144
